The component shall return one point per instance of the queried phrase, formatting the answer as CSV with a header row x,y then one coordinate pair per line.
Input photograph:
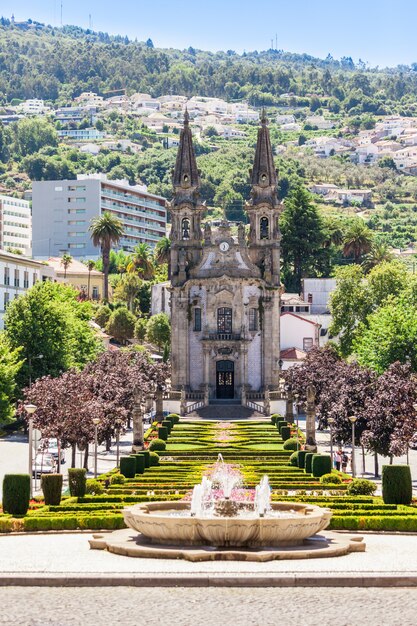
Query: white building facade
x,y
15,225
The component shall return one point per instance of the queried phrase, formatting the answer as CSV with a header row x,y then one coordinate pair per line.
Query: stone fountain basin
x,y
168,523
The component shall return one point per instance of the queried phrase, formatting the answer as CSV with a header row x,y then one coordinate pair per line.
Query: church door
x,y
225,380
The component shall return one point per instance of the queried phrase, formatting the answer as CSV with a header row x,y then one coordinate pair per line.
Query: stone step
x,y
222,412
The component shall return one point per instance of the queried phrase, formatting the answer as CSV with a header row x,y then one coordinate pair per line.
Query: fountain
x,y
219,523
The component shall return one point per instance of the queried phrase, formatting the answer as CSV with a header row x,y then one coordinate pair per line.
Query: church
x,y
225,288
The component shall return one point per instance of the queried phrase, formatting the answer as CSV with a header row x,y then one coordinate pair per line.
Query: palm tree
x,y
66,261
163,253
90,266
378,253
141,261
357,240
106,230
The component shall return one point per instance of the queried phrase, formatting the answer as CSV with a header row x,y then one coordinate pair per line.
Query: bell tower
x,y
186,209
263,209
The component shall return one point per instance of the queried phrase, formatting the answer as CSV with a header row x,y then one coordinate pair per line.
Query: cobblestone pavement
x,y
31,606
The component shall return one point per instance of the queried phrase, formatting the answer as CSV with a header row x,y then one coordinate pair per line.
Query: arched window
x,y
185,228
224,320
264,228
197,319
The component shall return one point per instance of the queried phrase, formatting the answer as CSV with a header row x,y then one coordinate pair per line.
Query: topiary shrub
x,y
275,417
94,487
128,466
77,480
157,445
330,479
321,464
153,458
280,423
396,484
291,444
117,479
360,487
146,454
16,493
301,458
174,417
293,460
51,485
307,462
162,433
167,424
285,432
140,463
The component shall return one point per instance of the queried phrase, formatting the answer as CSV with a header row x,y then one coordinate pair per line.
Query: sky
x,y
380,32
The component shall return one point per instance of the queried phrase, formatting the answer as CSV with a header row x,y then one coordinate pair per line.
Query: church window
x,y
197,319
185,228
264,228
253,319
224,320
307,343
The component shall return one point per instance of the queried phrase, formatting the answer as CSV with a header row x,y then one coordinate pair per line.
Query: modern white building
x,y
17,275
15,225
63,209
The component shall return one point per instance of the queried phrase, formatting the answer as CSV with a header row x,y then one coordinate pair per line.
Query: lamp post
x,y
96,422
30,409
118,426
330,422
39,356
296,398
352,420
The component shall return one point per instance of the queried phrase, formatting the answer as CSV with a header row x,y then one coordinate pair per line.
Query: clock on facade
x,y
224,246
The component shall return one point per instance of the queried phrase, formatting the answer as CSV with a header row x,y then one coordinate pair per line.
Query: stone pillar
x,y
137,419
243,395
183,402
311,416
289,414
159,404
206,395
267,403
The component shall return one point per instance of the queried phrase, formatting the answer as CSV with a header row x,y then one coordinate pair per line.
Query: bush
x,y
291,444
121,324
128,466
280,423
361,487
321,464
140,463
16,493
294,459
396,484
275,417
174,417
307,462
77,481
117,479
153,459
162,433
167,424
146,455
103,315
157,445
331,479
301,458
51,485
94,487
285,432
140,329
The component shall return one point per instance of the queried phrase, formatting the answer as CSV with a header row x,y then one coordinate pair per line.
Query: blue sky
x,y
380,32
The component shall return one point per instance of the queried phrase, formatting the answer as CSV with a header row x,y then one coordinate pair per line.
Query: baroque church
x,y
225,288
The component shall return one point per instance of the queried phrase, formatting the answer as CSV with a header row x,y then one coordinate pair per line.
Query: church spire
x,y
263,175
185,177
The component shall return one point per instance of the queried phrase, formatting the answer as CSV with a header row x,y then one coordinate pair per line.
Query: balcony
x,y
223,336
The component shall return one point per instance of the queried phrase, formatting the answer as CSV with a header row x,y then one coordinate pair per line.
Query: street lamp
x,y
118,426
96,422
296,398
352,420
30,409
330,422
40,356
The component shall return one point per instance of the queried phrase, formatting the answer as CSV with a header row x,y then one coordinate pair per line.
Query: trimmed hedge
x,y
75,522
16,493
140,463
94,487
361,487
307,462
153,459
397,487
167,424
321,464
162,433
174,417
291,444
285,432
77,481
157,445
330,479
128,466
51,485
301,458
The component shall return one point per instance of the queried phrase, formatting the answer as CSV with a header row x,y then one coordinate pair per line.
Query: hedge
x,y
157,445
77,481
51,485
321,464
301,458
291,444
16,493
397,487
153,459
285,432
307,462
128,466
140,463
384,522
167,424
75,522
174,417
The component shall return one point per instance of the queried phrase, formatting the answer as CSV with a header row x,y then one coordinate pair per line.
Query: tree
x,y
90,266
127,290
140,329
66,261
303,234
357,240
121,324
378,253
10,363
141,261
32,134
158,330
163,253
106,230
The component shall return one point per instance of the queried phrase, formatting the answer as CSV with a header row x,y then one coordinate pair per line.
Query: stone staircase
x,y
224,410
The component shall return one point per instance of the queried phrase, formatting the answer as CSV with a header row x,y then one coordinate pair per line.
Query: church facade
x,y
225,288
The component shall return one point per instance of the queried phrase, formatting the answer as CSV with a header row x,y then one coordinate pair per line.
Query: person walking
x,y
345,460
338,459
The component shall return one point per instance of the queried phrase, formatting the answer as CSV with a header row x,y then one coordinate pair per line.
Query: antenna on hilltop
x,y
90,21
61,13
276,41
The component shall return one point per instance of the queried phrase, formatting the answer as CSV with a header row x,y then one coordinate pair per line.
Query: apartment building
x,y
15,225
63,209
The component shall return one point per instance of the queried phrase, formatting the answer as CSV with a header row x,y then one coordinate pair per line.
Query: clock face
x,y
224,246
